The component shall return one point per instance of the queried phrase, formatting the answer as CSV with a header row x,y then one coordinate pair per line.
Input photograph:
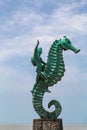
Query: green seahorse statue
x,y
49,74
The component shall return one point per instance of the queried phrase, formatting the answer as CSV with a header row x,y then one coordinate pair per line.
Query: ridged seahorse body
x,y
53,72
55,65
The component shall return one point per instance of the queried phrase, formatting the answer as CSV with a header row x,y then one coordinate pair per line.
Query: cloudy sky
x,y
21,24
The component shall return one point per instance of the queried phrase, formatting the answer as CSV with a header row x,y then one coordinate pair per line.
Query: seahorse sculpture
x,y
49,74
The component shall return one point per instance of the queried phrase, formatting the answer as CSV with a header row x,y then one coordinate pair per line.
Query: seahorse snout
x,y
77,51
74,49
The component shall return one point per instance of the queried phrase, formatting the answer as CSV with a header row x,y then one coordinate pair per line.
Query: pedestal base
x,y
47,124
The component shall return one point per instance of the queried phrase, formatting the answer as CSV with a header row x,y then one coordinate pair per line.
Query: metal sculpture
x,y
49,74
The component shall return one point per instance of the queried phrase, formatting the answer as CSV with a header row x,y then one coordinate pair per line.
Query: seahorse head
x,y
66,44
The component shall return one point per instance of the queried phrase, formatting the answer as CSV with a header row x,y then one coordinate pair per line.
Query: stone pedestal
x,y
47,124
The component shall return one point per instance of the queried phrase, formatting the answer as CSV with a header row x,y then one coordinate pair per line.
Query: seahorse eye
x,y
68,41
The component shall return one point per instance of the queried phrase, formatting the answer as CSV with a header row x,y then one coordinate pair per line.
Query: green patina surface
x,y
49,74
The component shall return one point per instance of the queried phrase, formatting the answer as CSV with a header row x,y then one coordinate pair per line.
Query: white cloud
x,y
62,21
23,18
46,28
13,79
22,29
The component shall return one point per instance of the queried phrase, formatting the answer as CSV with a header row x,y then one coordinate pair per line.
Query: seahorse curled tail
x,y
38,94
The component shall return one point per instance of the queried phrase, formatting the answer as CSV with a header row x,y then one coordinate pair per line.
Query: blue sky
x,y
21,24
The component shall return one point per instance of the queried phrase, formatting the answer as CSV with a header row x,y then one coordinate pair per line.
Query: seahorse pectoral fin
x,y
48,91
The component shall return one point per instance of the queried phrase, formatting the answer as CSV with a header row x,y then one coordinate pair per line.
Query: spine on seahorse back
x,y
54,71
